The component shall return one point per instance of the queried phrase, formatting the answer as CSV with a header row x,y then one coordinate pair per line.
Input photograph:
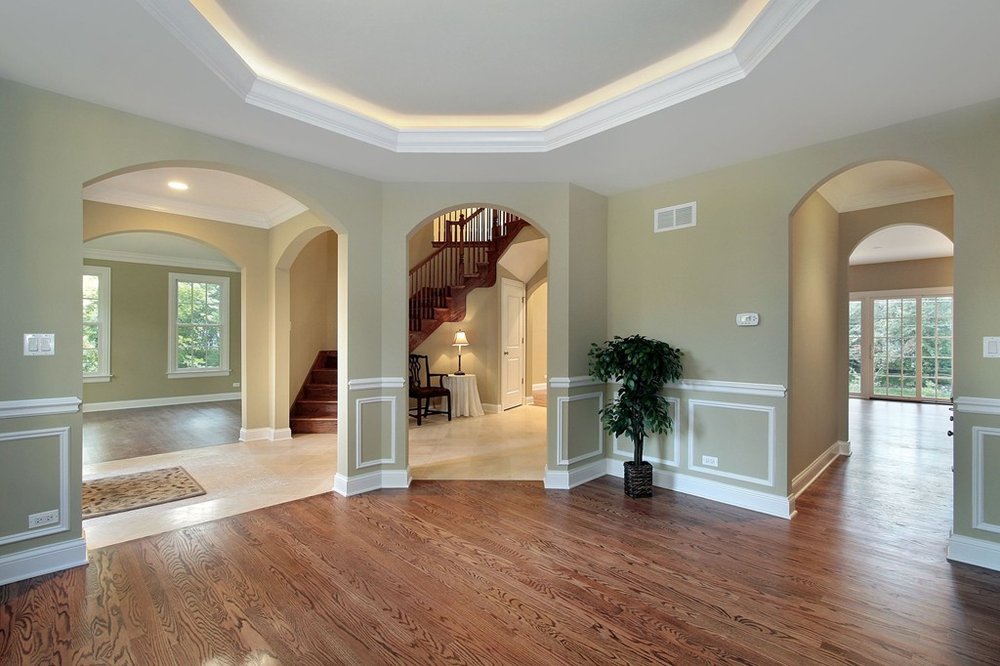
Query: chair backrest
x,y
419,370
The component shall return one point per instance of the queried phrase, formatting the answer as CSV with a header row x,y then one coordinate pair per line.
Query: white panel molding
x,y
375,383
775,21
736,388
160,402
674,434
580,381
63,524
771,441
571,478
158,260
967,550
754,500
42,560
979,435
359,427
15,409
806,477
562,447
970,405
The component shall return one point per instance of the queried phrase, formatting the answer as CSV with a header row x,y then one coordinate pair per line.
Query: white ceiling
x,y
902,242
847,66
211,194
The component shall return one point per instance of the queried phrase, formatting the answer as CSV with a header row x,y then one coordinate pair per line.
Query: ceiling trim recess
x,y
105,193
193,30
159,260
849,202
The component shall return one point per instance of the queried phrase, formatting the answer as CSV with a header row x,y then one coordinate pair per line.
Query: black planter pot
x,y
638,479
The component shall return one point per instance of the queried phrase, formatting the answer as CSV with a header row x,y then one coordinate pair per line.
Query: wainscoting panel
x,y
657,449
742,437
375,414
26,494
578,414
985,472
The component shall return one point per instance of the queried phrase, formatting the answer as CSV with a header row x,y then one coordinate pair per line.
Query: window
x,y
199,326
96,324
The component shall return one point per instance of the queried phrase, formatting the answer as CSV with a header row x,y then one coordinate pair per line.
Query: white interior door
x,y
511,343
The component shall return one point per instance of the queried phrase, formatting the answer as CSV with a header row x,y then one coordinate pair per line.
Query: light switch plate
x,y
747,319
39,344
991,347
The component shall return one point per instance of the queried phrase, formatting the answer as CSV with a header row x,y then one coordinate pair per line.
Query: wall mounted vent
x,y
675,217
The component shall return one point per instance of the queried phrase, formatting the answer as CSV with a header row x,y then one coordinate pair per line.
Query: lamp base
x,y
459,373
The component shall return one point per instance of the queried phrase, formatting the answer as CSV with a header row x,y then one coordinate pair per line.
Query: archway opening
x,y
479,274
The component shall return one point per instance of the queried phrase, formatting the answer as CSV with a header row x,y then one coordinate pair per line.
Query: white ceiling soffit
x,y
524,259
147,247
211,195
902,242
882,183
208,32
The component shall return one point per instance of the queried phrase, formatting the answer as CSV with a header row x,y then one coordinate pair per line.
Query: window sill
x,y
194,374
96,379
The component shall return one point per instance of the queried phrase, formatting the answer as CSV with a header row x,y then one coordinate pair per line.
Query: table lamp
x,y
460,341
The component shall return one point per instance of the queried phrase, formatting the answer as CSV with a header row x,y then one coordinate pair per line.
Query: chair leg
x,y
448,397
420,412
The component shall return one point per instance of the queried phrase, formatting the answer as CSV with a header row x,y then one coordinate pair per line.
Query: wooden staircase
x,y
468,242
315,406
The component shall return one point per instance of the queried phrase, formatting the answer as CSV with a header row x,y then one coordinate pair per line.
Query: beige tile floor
x,y
243,477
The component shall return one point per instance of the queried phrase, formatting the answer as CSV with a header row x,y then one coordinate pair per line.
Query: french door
x,y
900,345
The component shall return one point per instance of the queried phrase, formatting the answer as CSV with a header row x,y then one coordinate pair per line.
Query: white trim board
x,y
370,383
365,483
42,560
160,402
970,405
580,381
15,409
721,386
806,477
967,550
754,500
558,479
265,434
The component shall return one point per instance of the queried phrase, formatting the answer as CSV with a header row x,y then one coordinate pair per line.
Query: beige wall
x,y
313,297
914,274
537,298
813,401
139,336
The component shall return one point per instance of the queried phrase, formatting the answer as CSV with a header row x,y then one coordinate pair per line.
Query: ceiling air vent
x,y
675,217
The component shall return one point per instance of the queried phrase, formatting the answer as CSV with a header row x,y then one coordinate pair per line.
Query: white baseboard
x,y
159,402
42,560
806,477
772,505
491,409
281,434
981,553
365,483
529,399
566,479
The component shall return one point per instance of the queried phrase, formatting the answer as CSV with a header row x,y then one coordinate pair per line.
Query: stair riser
x,y
301,426
323,376
314,409
321,392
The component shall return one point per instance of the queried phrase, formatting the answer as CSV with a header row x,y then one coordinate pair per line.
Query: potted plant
x,y
642,366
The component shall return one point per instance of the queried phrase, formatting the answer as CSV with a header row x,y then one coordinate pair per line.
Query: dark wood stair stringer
x,y
315,407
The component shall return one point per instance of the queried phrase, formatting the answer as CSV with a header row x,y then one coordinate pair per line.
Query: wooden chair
x,y
422,391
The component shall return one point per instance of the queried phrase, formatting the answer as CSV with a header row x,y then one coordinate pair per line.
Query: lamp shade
x,y
460,340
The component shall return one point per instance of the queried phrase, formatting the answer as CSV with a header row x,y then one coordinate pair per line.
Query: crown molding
x,y
103,192
158,260
193,30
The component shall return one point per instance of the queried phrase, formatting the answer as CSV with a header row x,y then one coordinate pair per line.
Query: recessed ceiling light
x,y
177,185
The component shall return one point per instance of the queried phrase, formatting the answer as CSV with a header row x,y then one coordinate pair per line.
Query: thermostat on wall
x,y
747,319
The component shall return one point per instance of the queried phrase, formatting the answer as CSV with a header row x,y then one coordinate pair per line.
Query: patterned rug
x,y
114,494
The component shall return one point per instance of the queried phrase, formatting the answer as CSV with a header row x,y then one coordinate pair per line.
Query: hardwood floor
x,y
508,573
132,433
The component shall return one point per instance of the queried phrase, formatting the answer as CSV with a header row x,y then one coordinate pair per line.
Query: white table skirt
x,y
464,395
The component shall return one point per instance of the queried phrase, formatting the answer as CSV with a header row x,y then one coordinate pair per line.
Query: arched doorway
x,y
492,266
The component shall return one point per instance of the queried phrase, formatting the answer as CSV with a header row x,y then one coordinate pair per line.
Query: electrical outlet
x,y
710,461
43,518
236,384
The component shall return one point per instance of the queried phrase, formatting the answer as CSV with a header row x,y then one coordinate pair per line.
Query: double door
x,y
900,345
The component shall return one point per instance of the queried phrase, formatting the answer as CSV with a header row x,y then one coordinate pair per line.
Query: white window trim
x,y
173,372
103,374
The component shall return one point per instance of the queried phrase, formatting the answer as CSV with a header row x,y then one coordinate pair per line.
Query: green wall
x,y
139,336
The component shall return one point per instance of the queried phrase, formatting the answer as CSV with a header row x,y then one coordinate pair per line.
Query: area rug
x,y
114,494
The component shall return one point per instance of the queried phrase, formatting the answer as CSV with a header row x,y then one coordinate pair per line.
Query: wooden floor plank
x,y
509,573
